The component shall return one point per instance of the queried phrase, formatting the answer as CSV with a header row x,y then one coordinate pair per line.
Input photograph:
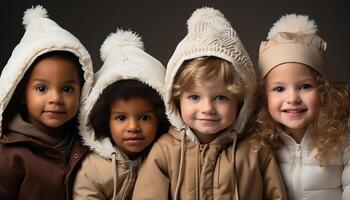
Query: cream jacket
x,y
176,166
305,179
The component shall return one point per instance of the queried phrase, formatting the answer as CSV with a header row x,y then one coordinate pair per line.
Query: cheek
x,y
73,102
115,132
34,104
229,111
273,106
272,102
151,131
186,110
315,101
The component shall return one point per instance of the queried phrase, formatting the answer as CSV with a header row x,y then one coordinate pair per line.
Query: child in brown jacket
x,y
41,88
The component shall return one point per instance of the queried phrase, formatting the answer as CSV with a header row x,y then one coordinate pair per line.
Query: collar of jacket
x,y
225,137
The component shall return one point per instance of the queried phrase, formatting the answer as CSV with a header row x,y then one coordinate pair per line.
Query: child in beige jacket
x,y
210,88
123,115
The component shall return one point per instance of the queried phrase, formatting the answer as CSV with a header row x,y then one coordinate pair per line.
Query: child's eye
x,y
194,97
41,88
221,98
68,89
145,117
306,86
278,89
120,118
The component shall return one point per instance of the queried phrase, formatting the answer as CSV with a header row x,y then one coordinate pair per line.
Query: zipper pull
x,y
298,151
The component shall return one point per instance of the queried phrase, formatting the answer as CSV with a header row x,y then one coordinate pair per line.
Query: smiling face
x,y
208,109
52,93
293,96
133,125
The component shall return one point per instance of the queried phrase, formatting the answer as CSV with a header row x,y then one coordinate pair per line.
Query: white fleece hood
x,y
42,35
210,34
124,58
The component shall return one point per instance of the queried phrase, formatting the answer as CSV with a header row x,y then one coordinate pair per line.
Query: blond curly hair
x,y
329,131
205,70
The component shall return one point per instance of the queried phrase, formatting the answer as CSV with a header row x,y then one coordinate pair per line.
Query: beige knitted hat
x,y
210,34
292,39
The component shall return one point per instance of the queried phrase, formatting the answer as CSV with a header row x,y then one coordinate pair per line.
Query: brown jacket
x,y
209,172
31,169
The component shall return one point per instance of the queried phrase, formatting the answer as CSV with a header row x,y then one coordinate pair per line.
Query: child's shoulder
x,y
248,146
95,159
95,165
171,137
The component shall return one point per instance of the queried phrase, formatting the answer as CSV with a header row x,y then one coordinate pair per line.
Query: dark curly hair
x,y
125,90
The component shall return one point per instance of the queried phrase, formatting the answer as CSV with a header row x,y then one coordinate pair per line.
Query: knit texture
x,y
210,34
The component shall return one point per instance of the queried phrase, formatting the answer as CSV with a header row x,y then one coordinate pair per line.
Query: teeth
x,y
294,110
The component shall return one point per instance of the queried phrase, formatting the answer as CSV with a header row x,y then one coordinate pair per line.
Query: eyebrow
x,y
46,81
276,83
146,111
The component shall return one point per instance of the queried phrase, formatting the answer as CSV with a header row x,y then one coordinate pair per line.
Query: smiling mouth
x,y
295,111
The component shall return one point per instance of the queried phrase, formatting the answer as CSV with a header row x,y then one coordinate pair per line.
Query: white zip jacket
x,y
303,176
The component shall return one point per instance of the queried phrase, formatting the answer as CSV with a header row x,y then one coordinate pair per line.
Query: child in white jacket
x,y
304,114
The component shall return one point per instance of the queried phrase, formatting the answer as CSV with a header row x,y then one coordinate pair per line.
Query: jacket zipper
x,y
296,172
199,167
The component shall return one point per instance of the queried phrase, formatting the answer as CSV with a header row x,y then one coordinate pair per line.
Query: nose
x,y
133,126
208,107
293,97
55,97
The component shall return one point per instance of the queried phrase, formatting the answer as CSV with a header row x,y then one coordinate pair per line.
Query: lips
x,y
294,111
207,119
55,112
134,140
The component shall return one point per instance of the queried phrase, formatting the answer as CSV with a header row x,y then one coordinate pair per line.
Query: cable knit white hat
x,y
42,35
124,58
210,34
292,39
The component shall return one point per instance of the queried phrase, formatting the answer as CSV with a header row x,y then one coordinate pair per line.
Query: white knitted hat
x,y
292,39
124,58
210,34
42,35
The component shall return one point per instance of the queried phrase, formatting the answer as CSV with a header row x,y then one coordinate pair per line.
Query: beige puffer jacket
x,y
207,171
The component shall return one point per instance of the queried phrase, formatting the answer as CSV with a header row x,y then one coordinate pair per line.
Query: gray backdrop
x,y
162,23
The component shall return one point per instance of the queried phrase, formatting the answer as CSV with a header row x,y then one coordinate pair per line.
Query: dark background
x,y
162,24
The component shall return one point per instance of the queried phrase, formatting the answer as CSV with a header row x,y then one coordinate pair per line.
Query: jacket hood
x,y
210,34
124,58
42,35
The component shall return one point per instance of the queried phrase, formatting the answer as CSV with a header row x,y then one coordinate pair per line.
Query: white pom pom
x,y
204,14
33,13
293,24
119,39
